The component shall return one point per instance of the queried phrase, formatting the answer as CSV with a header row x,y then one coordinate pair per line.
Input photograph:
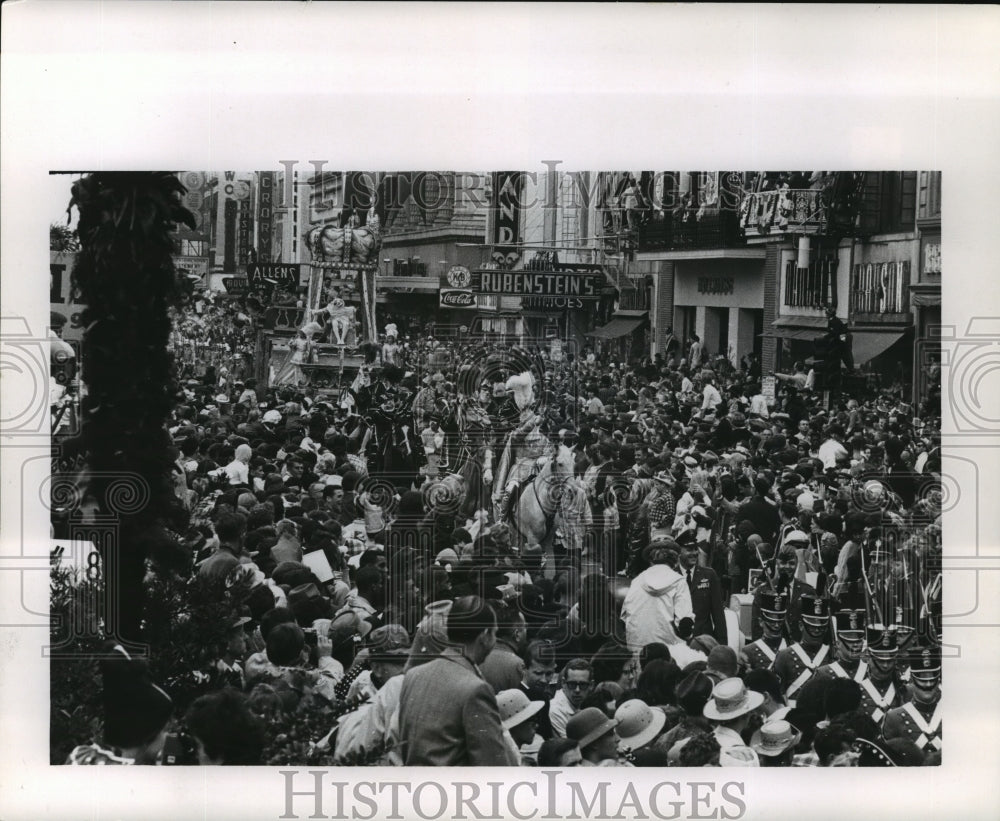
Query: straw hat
x,y
515,707
638,724
731,699
774,737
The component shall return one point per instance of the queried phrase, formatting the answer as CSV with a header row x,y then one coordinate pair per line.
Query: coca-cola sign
x,y
457,299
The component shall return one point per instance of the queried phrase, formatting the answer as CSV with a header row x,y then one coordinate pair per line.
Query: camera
x,y
179,749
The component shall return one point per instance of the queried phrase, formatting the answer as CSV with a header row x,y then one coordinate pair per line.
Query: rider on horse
x,y
519,465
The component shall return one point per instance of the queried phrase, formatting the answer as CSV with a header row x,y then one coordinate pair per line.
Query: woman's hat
x,y
638,724
588,725
516,708
731,699
774,737
390,642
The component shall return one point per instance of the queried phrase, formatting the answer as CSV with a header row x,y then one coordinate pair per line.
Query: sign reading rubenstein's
x,y
542,284
285,273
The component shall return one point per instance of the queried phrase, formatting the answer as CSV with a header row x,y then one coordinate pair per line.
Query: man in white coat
x,y
657,607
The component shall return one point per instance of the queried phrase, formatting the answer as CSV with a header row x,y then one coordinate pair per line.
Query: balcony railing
x,y
681,230
799,211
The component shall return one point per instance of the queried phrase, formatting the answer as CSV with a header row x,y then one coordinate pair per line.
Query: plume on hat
x,y
522,386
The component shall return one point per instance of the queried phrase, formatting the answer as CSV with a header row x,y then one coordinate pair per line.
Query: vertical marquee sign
x,y
265,216
245,238
506,236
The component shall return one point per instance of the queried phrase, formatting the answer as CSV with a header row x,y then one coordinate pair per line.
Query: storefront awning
x,y
866,345
618,326
796,321
792,333
925,299
792,326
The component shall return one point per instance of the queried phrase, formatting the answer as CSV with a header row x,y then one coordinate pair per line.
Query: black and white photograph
x,y
497,468
414,392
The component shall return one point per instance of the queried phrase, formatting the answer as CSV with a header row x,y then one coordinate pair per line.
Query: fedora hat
x,y
588,725
731,699
303,593
774,737
665,477
516,708
638,724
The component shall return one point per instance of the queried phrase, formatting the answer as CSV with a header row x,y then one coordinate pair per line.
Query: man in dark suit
x,y
761,512
706,595
448,715
540,681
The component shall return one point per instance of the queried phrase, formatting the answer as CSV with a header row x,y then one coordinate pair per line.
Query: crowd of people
x,y
739,581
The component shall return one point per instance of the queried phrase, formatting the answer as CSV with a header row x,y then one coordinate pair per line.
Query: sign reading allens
x,y
285,273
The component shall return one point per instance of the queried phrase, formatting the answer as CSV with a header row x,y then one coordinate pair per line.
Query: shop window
x,y
811,287
889,202
929,199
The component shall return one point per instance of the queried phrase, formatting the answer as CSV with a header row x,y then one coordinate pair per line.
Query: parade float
x,y
318,338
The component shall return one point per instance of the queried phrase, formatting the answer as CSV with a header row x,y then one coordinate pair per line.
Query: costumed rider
x,y
525,447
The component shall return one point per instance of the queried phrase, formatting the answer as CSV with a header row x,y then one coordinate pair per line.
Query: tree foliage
x,y
125,275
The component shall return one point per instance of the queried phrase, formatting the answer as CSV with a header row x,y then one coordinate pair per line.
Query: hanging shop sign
x,y
456,290
238,286
558,303
539,284
286,274
506,234
265,215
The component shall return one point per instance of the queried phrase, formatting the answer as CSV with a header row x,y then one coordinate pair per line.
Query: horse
x,y
551,498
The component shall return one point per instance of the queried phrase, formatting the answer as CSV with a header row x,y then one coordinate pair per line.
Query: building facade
x,y
708,281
